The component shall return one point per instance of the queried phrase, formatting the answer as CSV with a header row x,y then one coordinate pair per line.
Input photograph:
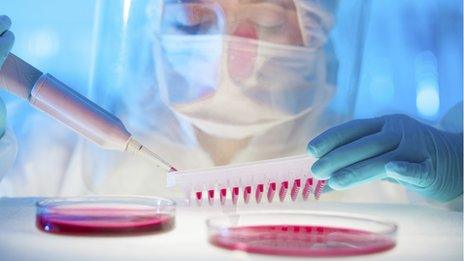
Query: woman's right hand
x,y
7,142
6,42
6,38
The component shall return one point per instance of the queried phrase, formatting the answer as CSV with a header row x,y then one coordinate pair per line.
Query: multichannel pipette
x,y
269,179
53,97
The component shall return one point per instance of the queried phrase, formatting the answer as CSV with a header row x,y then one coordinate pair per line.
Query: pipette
x,y
261,179
47,94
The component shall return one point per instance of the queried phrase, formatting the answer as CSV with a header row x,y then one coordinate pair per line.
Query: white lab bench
x,y
424,234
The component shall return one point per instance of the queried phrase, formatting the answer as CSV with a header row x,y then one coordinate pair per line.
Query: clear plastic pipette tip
x,y
136,147
144,151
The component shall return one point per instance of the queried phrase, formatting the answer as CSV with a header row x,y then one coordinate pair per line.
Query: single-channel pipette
x,y
47,94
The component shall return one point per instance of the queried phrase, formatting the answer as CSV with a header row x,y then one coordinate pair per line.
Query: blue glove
x,y
6,42
393,147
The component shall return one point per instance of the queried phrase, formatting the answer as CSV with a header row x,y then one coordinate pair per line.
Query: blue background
x,y
412,58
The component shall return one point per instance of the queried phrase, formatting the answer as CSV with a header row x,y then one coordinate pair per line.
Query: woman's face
x,y
274,21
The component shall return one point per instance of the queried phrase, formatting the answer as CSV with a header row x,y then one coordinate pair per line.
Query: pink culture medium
x,y
105,216
314,239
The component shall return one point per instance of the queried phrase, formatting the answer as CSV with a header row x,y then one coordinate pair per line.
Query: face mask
x,y
201,80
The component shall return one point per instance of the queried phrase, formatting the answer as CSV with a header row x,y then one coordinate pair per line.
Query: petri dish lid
x,y
302,233
105,215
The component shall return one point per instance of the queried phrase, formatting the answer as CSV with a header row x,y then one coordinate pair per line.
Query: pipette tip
x,y
136,147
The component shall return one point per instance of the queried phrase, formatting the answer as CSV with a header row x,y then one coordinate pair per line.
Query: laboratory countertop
x,y
424,234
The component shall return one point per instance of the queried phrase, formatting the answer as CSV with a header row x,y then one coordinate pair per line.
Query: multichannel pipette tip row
x,y
258,191
264,181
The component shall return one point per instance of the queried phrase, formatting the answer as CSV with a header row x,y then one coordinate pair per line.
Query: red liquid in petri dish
x,y
103,221
311,241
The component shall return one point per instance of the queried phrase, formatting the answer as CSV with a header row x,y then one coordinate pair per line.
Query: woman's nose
x,y
245,29
242,55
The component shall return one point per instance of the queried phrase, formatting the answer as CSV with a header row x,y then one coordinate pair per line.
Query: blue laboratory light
x,y
428,101
426,73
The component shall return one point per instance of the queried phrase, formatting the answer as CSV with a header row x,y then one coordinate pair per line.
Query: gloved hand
x,y
6,42
392,147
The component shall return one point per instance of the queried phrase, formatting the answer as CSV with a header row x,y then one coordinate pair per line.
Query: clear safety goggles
x,y
289,22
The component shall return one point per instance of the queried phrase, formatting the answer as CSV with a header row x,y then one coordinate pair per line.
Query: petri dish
x,y
307,234
105,215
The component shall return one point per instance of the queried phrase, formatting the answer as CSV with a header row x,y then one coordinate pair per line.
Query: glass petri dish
x,y
310,234
107,215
